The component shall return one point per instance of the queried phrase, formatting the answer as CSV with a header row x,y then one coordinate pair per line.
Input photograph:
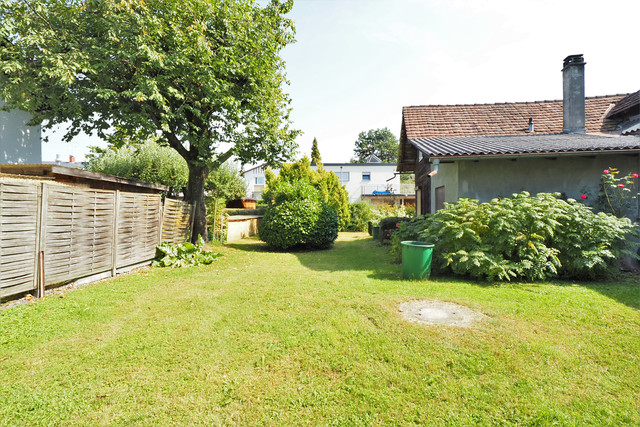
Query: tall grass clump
x,y
521,237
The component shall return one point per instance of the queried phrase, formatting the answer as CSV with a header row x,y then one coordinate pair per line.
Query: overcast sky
x,y
356,63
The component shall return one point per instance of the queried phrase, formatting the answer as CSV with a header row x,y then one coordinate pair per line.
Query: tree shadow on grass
x,y
351,252
357,252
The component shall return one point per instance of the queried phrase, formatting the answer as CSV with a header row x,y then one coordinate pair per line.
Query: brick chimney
x,y
573,120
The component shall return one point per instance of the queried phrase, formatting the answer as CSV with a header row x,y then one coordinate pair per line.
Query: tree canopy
x,y
381,142
205,76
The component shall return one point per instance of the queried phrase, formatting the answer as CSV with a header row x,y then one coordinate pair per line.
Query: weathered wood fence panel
x,y
176,221
79,231
138,228
18,236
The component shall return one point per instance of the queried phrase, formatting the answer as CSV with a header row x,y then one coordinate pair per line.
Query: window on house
x,y
259,180
366,176
343,176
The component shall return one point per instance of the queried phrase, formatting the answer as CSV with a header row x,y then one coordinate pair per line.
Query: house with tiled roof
x,y
483,151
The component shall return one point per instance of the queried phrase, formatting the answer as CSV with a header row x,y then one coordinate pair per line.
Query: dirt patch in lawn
x,y
439,313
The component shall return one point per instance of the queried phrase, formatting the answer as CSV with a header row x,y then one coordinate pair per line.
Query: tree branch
x,y
222,158
37,14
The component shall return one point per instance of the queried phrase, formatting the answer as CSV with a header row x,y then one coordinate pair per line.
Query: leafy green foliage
x,y
183,255
521,237
361,213
326,182
617,192
389,225
225,183
204,76
298,217
381,142
382,211
149,162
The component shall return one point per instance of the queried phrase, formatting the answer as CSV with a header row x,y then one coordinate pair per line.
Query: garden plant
x,y
297,217
521,237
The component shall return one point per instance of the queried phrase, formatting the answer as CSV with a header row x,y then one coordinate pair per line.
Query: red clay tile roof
x,y
502,119
627,103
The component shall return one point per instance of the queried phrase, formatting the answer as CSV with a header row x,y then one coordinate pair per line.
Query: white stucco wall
x,y
356,185
19,143
485,179
253,177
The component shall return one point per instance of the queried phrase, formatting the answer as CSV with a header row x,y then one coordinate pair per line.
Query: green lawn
x,y
315,338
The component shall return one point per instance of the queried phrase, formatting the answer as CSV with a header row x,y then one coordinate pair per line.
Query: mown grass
x,y
313,338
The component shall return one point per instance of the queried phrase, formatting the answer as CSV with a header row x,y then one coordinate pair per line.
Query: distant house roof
x,y
373,159
262,165
480,146
450,126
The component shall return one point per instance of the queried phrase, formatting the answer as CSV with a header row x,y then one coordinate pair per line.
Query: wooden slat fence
x,y
19,204
176,221
79,232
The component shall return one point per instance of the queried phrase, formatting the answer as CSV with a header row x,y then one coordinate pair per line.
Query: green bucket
x,y
416,259
375,232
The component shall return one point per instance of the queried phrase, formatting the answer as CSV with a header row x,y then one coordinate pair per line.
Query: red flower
x,y
635,175
620,185
584,196
606,171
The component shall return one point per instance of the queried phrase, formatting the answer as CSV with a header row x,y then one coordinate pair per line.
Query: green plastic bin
x,y
375,232
416,259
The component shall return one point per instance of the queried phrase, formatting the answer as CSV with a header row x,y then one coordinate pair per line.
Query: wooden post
x,y
41,275
36,252
161,208
192,219
114,254
41,245
215,213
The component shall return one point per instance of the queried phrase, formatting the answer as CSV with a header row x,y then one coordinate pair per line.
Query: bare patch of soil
x,y
439,313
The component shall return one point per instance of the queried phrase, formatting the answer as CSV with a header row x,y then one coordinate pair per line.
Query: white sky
x,y
356,63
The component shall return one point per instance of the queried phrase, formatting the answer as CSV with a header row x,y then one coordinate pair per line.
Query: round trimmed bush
x,y
296,217
325,231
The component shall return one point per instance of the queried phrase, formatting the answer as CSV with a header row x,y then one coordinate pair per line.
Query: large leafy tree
x,y
381,142
205,76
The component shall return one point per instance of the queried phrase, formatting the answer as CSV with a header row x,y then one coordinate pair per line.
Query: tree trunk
x,y
195,193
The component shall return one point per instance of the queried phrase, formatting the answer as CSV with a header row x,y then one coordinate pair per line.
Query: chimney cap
x,y
573,60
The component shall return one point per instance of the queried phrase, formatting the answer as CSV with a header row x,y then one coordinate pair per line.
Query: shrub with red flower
x,y
618,191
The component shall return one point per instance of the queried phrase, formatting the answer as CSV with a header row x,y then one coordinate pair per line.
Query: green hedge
x,y
297,217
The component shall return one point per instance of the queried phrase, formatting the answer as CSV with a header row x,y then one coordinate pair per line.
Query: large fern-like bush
x,y
521,237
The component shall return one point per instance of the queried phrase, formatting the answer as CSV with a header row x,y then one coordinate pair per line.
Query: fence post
x,y
192,220
38,258
161,208
114,254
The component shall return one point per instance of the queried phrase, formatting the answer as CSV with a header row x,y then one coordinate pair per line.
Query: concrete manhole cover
x,y
433,312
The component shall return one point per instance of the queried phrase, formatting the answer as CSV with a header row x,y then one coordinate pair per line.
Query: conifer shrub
x,y
522,238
